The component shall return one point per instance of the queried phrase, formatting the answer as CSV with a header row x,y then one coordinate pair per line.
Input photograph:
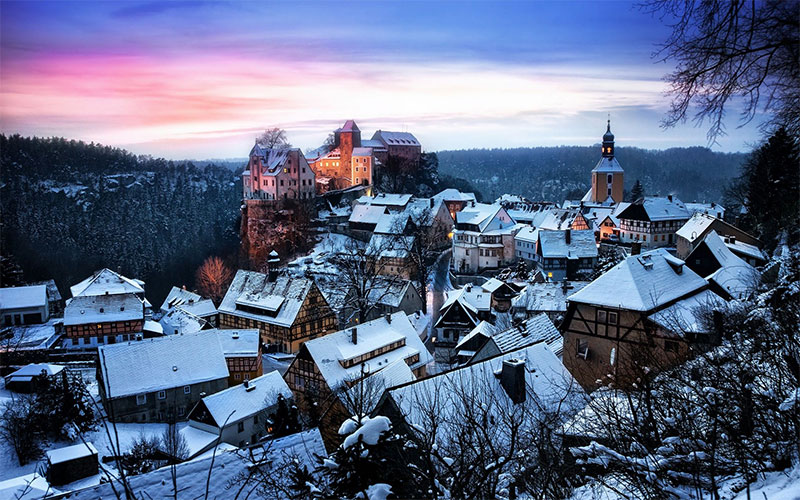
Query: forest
x,y
70,208
563,172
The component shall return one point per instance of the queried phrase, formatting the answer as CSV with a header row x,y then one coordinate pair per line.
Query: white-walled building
x,y
483,238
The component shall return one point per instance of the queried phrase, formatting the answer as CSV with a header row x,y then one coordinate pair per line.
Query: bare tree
x,y
213,278
273,138
732,48
18,428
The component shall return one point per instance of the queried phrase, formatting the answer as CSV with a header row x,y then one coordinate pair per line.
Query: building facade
x,y
278,174
652,221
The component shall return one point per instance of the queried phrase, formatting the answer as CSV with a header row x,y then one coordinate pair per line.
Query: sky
x,y
184,79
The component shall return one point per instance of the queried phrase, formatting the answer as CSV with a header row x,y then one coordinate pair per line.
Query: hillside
x,y
558,173
70,208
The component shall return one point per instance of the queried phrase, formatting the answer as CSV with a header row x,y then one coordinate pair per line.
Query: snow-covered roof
x,y
546,297
237,343
151,365
85,309
388,291
530,331
24,337
362,151
741,248
553,244
656,209
27,487
367,214
153,326
106,281
609,165
396,373
374,144
686,316
23,297
545,377
390,246
695,227
558,218
179,297
482,329
474,298
73,452
527,234
330,351
385,200
180,321
641,283
240,402
736,276
250,288
396,138
420,322
712,208
451,194
27,372
492,284
228,467
479,214
272,160
392,223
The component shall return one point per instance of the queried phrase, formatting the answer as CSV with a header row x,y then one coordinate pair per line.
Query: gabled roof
x,y
527,234
392,223
530,331
160,363
179,320
607,165
86,309
553,244
546,297
237,343
226,467
695,227
389,291
367,214
385,200
482,329
714,209
686,316
396,138
559,218
239,402
349,126
106,281
641,283
23,297
656,209
735,276
741,248
545,377
362,152
394,374
329,351
481,215
33,370
178,297
272,159
281,299
451,194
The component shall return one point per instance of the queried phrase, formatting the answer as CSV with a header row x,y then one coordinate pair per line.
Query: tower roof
x,y
608,136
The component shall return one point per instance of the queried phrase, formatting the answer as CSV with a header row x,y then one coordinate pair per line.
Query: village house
x,y
567,254
71,463
338,360
389,295
242,351
525,244
159,380
462,310
402,147
606,327
484,343
92,320
179,322
549,298
238,415
728,275
712,209
741,243
455,200
286,310
24,305
28,378
560,219
652,221
278,174
483,239
190,302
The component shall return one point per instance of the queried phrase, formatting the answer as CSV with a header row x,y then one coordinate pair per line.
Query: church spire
x,y
608,142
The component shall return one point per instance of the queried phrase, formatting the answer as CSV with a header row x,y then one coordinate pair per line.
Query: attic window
x,y
102,310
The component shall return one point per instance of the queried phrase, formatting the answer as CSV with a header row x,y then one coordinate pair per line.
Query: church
x,y
607,176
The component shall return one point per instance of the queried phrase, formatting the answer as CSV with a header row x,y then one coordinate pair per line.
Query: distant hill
x,y
564,172
69,208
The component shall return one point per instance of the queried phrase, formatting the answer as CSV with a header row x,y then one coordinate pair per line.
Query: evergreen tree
x,y
637,191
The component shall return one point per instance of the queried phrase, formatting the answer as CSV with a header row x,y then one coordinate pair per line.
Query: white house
x,y
483,238
24,305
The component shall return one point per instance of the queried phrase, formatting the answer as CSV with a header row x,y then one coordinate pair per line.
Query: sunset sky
x,y
199,80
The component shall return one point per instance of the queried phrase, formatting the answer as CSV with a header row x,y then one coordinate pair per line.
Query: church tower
x,y
607,175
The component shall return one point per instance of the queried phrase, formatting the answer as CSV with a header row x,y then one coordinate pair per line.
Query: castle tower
x,y
607,175
347,138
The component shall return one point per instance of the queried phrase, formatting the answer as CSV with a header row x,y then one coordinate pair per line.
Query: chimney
x,y
246,383
669,197
389,318
732,239
272,266
568,236
512,378
431,202
636,248
354,335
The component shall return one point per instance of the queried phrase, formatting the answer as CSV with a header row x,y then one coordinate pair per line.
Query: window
x,y
583,348
237,376
240,427
187,389
141,399
162,394
670,346
601,316
612,318
610,178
